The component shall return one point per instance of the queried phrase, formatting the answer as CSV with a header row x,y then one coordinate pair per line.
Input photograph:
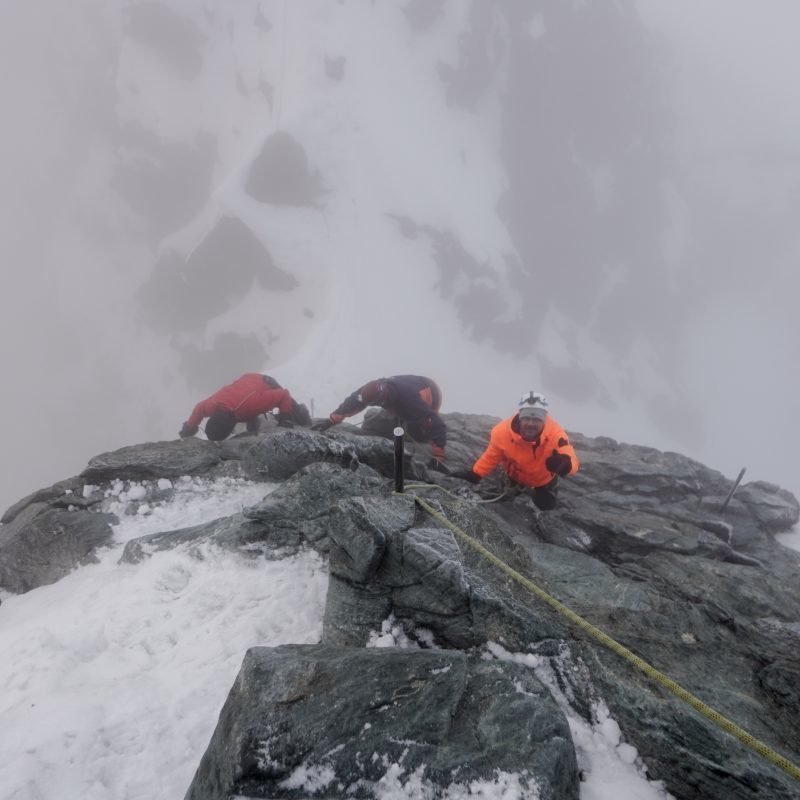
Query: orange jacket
x,y
524,461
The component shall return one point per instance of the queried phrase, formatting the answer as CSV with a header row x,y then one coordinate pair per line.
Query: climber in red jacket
x,y
243,401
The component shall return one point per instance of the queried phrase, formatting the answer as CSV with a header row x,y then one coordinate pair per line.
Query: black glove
x,y
187,430
284,421
322,425
467,475
559,463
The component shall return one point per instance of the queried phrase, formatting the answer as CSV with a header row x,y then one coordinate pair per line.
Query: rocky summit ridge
x,y
639,547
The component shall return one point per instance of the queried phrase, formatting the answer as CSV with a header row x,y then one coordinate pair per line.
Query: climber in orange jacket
x,y
243,401
532,448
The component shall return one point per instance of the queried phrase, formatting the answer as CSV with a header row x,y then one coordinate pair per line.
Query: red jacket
x,y
523,460
246,397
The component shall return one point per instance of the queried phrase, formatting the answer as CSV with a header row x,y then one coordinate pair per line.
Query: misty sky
x,y
596,201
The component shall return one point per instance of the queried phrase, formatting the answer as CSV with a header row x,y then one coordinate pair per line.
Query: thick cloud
x,y
596,202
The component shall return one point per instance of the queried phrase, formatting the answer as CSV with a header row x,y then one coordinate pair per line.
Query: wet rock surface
x,y
445,717
639,546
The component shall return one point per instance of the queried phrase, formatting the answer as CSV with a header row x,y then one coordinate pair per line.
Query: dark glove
x,y
187,430
284,421
467,475
559,463
322,425
300,415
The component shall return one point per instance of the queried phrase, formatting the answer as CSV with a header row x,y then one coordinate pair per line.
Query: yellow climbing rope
x,y
708,712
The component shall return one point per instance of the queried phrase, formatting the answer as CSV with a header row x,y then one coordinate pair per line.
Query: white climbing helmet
x,y
533,404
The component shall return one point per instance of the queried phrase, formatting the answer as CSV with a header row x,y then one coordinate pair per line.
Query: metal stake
x,y
398,459
733,489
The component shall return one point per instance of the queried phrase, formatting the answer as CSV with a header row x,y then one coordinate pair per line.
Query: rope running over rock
x,y
709,713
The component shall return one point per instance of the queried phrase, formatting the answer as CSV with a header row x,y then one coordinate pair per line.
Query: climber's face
x,y
530,428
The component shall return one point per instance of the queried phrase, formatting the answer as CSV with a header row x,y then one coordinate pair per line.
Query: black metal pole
x,y
733,489
398,459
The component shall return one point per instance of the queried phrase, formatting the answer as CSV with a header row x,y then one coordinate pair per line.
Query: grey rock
x,y
42,545
280,455
62,492
359,531
613,533
313,491
694,758
417,574
774,508
231,532
353,612
436,717
724,631
154,460
288,519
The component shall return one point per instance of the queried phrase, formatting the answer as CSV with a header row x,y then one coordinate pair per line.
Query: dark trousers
x,y
545,498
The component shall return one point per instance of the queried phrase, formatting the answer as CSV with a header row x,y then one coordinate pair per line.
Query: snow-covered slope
x,y
112,678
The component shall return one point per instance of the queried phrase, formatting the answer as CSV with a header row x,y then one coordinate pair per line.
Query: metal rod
x,y
398,459
733,489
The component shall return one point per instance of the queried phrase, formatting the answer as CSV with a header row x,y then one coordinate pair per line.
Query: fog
x,y
596,201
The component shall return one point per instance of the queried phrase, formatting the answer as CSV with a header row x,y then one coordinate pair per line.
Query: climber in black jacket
x,y
414,399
